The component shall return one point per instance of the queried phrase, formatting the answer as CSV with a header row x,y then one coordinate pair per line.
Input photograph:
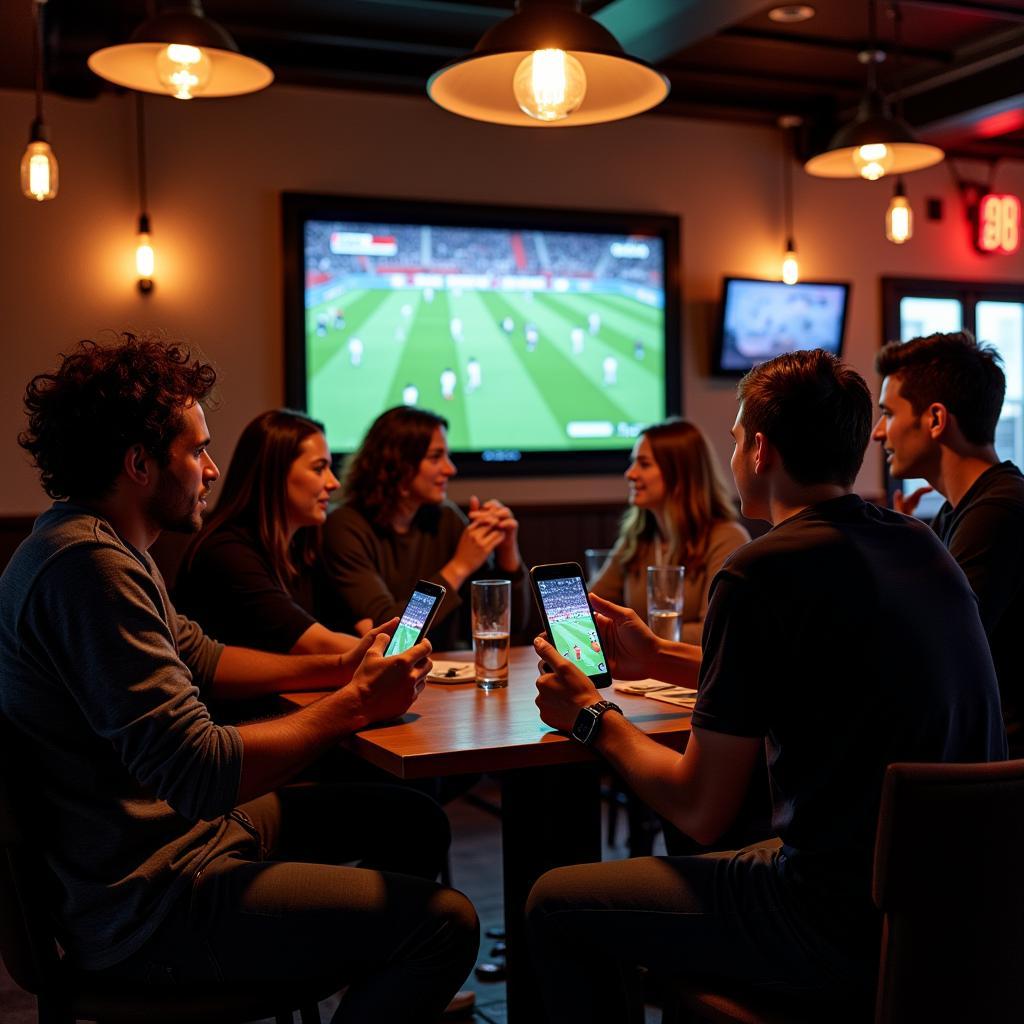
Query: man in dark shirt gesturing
x,y
175,854
842,640
940,401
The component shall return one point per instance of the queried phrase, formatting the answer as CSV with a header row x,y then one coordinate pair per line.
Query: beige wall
x,y
217,167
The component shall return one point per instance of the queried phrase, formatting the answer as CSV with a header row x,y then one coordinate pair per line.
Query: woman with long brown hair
x,y
396,525
252,577
680,514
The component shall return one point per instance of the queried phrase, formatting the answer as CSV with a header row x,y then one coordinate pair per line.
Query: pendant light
x,y
38,164
548,65
181,53
899,217
145,262
790,265
875,143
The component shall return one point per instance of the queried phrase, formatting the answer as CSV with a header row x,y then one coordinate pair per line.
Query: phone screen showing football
x,y
570,624
417,613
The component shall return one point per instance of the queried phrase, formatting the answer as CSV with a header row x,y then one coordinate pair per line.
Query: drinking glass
x,y
593,561
665,601
491,602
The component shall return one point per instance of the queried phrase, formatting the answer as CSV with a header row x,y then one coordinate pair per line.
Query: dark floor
x,y
476,870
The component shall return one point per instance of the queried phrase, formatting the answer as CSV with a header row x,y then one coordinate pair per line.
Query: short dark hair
x,y
103,399
387,460
952,369
814,409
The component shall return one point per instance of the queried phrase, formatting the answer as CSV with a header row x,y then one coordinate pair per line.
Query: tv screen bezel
x,y
299,207
717,370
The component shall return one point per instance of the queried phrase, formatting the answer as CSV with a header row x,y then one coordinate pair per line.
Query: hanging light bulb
x,y
873,160
182,53
184,70
563,67
38,166
549,85
39,176
145,262
790,267
899,218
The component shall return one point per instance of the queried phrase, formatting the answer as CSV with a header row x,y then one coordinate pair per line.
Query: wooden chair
x,y
30,954
949,880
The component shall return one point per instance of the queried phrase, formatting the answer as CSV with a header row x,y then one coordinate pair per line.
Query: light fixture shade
x,y
133,64
873,126
479,86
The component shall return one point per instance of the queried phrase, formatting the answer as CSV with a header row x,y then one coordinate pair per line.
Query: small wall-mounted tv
x,y
548,339
763,319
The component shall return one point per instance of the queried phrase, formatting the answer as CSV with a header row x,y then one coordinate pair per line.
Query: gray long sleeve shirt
x,y
102,681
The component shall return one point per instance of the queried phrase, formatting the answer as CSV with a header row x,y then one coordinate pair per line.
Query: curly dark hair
x,y
103,399
387,460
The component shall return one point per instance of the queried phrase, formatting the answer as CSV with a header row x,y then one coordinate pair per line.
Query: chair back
x,y
949,879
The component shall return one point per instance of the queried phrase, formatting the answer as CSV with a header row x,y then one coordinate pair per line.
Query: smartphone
x,y
416,619
568,618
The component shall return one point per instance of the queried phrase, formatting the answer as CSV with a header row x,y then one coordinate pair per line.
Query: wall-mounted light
x,y
145,260
875,142
899,217
547,65
790,267
39,176
181,53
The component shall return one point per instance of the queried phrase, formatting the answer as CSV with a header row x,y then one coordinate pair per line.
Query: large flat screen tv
x,y
763,319
548,339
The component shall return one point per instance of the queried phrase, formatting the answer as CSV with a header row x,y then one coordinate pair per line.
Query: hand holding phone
x,y
569,619
417,617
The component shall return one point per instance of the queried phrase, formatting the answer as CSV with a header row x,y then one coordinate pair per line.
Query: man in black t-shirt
x,y
941,399
843,640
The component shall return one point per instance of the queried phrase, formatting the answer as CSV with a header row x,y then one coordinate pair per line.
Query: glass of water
x,y
491,605
595,559
665,601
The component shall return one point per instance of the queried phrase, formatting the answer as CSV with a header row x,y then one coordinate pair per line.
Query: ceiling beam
x,y
826,43
657,29
980,10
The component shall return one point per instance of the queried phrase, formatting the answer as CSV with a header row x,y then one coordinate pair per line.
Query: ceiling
x,y
962,63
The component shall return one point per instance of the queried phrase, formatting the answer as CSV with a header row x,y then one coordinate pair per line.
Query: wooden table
x,y
550,785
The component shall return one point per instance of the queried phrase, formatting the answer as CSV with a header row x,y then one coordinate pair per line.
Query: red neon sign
x,y
999,224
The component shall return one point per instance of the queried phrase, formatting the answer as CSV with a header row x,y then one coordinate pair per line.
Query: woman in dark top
x,y
396,525
252,576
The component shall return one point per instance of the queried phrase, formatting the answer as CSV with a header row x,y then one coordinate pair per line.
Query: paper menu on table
x,y
657,689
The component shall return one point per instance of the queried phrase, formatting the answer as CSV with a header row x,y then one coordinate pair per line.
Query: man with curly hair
x,y
176,855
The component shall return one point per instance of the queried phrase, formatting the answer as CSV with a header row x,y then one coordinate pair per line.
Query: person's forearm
x,y
509,560
677,663
275,751
242,673
701,803
653,772
318,639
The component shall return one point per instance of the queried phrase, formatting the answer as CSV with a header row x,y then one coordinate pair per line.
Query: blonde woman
x,y
680,514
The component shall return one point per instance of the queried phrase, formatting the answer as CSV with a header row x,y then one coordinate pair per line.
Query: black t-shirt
x,y
985,534
848,637
231,590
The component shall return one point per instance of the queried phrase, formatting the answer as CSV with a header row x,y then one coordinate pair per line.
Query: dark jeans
x,y
724,916
273,902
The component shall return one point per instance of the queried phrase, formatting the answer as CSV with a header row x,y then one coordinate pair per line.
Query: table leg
x,y
550,817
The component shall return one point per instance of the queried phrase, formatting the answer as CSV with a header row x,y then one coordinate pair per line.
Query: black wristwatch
x,y
588,721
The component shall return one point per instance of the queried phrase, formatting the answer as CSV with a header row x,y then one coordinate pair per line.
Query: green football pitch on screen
x,y
505,370
576,640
